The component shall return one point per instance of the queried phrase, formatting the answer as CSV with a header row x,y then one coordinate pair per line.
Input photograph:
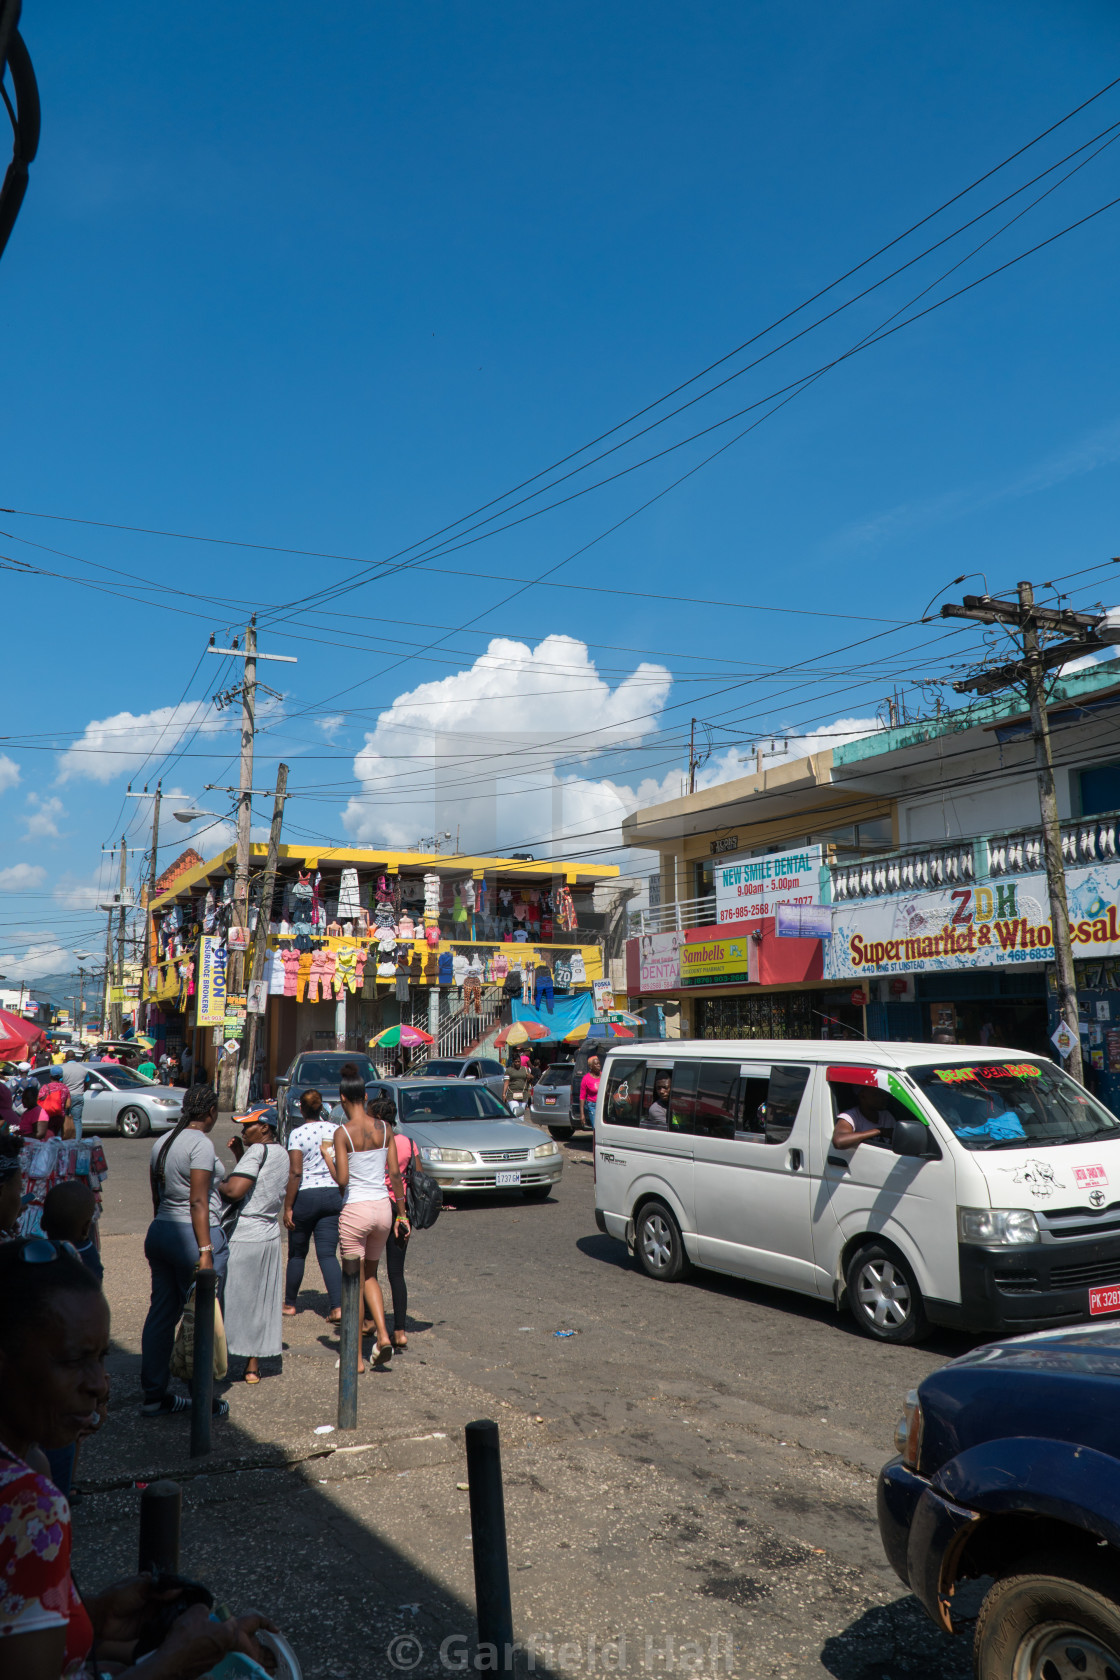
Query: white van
x,y
989,1200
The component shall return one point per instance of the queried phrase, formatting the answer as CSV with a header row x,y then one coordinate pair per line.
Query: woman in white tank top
x,y
364,1151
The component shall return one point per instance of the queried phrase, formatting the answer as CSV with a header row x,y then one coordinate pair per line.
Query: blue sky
x,y
330,292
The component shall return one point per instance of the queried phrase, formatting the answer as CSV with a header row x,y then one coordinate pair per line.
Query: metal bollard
x,y
488,1539
202,1372
349,1343
161,1515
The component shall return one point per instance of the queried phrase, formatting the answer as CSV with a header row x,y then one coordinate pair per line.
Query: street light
x,y
192,816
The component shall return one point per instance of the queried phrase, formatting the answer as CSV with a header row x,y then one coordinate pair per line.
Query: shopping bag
x,y
182,1354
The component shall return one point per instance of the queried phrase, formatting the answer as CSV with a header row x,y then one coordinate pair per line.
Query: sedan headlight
x,y
908,1435
449,1157
168,1102
543,1149
997,1227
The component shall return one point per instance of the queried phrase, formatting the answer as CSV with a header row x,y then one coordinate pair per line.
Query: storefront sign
x,y
758,885
719,960
602,995
726,843
659,968
803,921
211,982
997,924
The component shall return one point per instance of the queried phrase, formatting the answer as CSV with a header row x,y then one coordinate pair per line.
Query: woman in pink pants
x,y
364,1155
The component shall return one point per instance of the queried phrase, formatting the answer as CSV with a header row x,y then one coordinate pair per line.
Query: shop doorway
x,y
1015,1023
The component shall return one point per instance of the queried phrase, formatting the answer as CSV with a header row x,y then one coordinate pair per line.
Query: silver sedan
x,y
122,1101
468,1140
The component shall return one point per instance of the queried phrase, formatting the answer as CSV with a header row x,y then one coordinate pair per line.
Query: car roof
x,y
831,1051
420,1082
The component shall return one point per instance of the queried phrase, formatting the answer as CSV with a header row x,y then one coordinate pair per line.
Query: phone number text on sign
x,y
1104,1301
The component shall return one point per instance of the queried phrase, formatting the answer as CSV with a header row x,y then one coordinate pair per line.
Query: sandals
x,y
252,1377
384,1353
289,1312
402,1345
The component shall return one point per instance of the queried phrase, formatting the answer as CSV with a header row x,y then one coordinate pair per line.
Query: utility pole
x,y
118,1016
692,758
260,943
111,1010
1085,632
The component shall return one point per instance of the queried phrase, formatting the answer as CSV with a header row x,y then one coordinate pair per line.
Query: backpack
x,y
422,1195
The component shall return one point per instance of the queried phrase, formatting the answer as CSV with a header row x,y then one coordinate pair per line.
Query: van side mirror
x,y
913,1138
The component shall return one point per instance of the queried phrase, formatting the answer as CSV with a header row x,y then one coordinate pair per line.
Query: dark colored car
x,y
1010,1468
318,1070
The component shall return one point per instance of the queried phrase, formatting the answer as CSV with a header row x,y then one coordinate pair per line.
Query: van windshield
x,y
1006,1105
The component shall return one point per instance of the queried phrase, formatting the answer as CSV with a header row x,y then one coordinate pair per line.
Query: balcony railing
x,y
665,918
1085,840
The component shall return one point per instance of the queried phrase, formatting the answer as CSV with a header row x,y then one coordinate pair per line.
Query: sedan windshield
x,y
325,1070
439,1070
451,1102
1003,1104
122,1078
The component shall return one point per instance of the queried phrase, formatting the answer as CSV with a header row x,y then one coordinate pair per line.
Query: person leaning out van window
x,y
867,1120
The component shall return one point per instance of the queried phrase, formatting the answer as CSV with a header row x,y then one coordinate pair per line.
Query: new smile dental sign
x,y
756,886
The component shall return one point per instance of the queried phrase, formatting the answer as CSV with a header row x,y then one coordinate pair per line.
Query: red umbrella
x,y
17,1036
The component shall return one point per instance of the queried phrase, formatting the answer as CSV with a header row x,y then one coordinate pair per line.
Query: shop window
x,y
787,1087
623,1106
775,1015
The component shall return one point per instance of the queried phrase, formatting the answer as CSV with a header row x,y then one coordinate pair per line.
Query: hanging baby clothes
x,y
566,911
459,913
348,905
358,978
275,974
527,983
406,928
467,893
459,965
290,960
344,964
303,973
578,969
446,971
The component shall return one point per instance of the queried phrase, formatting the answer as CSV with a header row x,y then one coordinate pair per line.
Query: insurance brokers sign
x,y
756,886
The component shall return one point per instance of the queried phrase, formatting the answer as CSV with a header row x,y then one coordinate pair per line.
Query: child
x,y
68,1212
33,1122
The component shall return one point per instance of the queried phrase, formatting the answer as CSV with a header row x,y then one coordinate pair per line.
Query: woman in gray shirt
x,y
185,1234
256,1188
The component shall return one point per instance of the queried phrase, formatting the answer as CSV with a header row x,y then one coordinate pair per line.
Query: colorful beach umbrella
x,y
410,1037
623,1018
595,1029
521,1032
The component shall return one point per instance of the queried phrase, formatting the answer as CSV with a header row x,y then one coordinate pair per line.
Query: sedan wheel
x,y
133,1122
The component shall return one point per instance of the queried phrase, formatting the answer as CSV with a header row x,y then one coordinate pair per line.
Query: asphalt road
x,y
725,1436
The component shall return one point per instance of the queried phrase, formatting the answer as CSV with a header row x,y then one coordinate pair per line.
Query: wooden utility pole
x,y
1084,632
260,943
235,967
117,1009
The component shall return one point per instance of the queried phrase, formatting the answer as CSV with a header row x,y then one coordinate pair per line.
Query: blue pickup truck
x,y
1009,1468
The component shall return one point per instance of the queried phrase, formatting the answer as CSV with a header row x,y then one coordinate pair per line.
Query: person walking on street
x,y
54,1097
74,1074
255,1187
312,1205
396,1246
589,1090
186,1065
185,1235
363,1154
517,1079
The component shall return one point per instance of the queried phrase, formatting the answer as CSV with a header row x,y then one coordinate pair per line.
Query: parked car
x,y
550,1103
117,1099
1009,1467
983,1203
317,1070
468,1140
485,1068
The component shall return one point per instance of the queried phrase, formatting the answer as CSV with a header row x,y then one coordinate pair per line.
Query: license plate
x,y
551,1100
515,1178
1104,1301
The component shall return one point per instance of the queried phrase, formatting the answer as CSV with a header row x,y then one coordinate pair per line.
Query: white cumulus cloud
x,y
42,820
9,772
21,877
486,753
118,745
43,956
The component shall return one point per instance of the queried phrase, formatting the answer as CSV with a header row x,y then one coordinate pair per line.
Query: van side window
x,y
682,1098
787,1087
623,1106
754,1091
656,1099
717,1106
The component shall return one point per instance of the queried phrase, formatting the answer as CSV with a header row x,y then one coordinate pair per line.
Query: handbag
x,y
182,1354
423,1197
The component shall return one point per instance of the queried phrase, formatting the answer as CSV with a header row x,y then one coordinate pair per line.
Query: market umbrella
x,y
623,1018
409,1037
595,1029
17,1035
520,1032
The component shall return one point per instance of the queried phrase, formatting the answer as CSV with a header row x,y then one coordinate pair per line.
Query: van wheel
x,y
560,1132
885,1300
659,1245
1051,1617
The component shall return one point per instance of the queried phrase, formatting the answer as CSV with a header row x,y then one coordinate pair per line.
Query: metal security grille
x,y
785,1015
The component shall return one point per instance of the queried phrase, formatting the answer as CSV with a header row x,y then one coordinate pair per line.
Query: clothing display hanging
x,y
348,901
